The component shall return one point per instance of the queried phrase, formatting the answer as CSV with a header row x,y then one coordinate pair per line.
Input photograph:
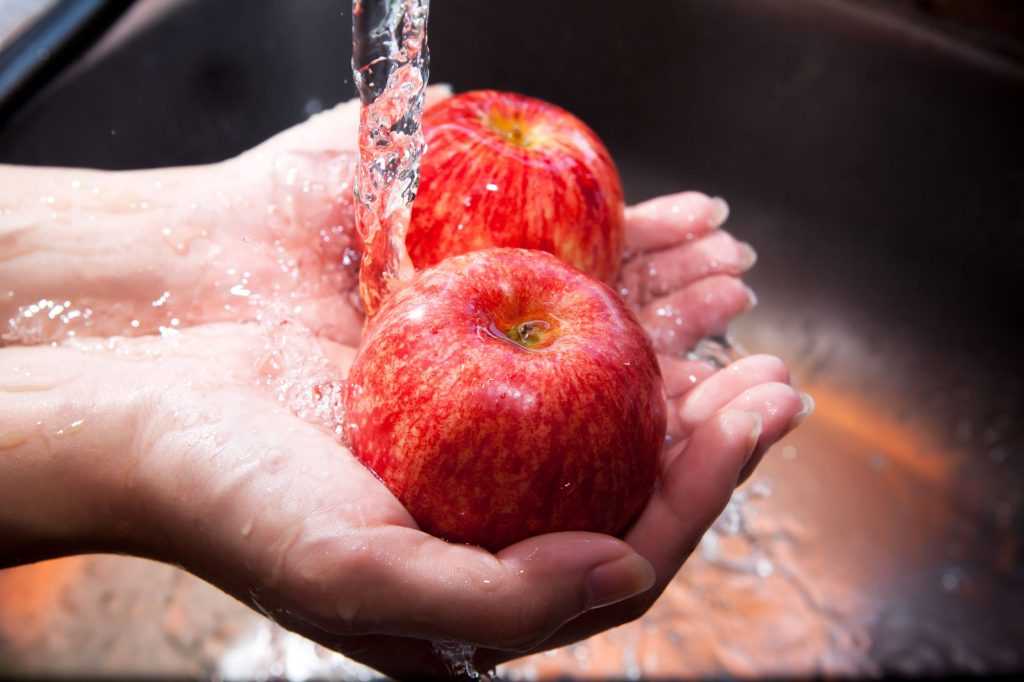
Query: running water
x,y
390,65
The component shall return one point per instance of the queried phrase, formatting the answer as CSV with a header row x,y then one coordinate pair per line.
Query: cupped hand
x,y
225,480
177,247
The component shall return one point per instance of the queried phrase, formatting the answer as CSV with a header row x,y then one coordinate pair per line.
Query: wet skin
x,y
183,444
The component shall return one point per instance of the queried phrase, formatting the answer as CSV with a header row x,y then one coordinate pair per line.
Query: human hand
x,y
209,468
125,253
187,449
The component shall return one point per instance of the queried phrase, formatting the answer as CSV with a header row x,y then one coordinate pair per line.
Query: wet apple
x,y
503,169
502,394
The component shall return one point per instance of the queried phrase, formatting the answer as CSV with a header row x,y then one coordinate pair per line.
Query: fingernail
x,y
619,579
754,436
752,422
806,411
719,212
748,257
751,297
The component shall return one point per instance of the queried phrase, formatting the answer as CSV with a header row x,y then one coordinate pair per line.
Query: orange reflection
x,y
31,594
881,431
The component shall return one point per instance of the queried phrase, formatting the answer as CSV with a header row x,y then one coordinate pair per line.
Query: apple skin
x,y
488,442
503,169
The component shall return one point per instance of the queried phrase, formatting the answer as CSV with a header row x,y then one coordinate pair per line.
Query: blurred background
x,y
871,150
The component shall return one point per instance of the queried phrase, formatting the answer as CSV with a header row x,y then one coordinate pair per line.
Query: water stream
x,y
390,64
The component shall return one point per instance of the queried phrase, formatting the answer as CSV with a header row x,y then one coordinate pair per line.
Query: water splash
x,y
718,351
298,373
269,652
458,659
45,320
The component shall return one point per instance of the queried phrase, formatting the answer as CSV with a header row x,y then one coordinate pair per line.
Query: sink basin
x,y
878,167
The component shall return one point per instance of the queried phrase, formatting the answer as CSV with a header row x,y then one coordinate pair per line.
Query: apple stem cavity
x,y
530,334
513,130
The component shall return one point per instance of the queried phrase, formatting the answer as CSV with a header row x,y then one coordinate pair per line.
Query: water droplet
x,y
69,429
458,658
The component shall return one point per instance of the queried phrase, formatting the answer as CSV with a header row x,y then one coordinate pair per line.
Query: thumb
x,y
410,584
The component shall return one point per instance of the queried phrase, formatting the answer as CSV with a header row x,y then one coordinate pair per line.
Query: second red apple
x,y
502,169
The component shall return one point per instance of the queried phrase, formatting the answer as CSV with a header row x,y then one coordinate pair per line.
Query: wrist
x,y
117,229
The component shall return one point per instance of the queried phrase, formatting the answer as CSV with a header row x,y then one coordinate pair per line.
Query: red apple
x,y
503,394
502,169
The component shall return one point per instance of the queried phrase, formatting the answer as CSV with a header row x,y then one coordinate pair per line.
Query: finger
x,y
698,481
695,487
727,384
676,322
407,583
661,272
669,220
783,410
437,93
681,376
693,491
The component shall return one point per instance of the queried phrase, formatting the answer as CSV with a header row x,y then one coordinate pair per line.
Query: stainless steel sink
x,y
877,165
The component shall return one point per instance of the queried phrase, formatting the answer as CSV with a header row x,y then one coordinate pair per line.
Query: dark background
x,y
892,156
